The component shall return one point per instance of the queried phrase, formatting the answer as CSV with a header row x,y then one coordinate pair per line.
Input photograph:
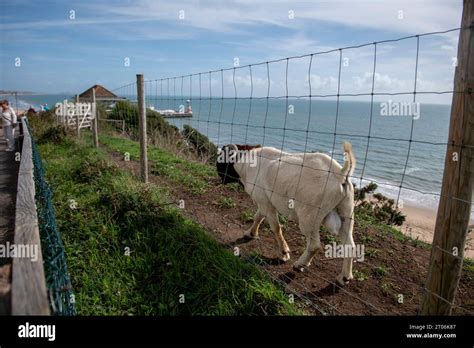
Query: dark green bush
x,y
360,194
92,169
41,122
381,208
201,144
156,124
56,134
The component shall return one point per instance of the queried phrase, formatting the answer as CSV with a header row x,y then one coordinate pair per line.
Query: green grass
x,y
283,221
469,266
178,170
327,236
388,288
247,215
380,271
417,243
360,275
234,186
226,203
169,255
365,219
192,175
371,252
366,239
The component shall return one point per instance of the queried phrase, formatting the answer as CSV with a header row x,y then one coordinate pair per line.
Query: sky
x,y
68,46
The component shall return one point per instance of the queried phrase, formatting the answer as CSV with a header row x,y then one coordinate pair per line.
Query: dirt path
x,y
394,269
8,187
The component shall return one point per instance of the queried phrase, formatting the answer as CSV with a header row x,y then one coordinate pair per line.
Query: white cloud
x,y
268,33
382,82
240,15
327,84
419,16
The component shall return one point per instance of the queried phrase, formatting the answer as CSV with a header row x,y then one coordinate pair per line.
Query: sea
x,y
403,154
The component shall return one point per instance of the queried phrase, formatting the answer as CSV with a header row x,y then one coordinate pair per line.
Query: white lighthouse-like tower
x,y
188,107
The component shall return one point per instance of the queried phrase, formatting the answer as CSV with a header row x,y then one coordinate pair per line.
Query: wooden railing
x,y
29,294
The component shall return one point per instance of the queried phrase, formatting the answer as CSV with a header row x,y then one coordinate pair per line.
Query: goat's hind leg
x,y
348,242
310,230
252,232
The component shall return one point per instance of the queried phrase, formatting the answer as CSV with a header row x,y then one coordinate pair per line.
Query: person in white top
x,y
9,123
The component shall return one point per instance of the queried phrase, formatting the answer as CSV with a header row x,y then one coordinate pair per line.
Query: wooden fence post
x,y
142,126
455,202
78,128
95,121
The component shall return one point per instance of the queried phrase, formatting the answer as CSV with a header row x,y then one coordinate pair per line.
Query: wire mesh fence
x,y
311,103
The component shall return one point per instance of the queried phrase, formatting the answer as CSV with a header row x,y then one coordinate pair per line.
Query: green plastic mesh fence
x,y
58,282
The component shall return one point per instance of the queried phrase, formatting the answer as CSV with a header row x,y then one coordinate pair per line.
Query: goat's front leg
x,y
276,229
252,233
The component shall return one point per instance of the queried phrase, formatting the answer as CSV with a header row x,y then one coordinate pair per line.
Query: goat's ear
x,y
233,151
247,147
230,146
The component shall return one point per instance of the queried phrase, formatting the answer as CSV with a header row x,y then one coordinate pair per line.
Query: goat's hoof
x,y
248,236
285,257
341,280
298,268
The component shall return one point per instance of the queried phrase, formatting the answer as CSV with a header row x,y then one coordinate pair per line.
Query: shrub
x,y
360,194
380,271
226,203
92,169
156,123
201,144
246,215
124,110
41,122
56,134
381,208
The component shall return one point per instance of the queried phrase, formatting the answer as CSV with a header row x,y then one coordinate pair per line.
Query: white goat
x,y
309,188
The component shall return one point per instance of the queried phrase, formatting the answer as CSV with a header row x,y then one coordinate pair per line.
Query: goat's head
x,y
226,159
228,156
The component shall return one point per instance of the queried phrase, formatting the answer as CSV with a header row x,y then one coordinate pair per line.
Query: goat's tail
x,y
349,161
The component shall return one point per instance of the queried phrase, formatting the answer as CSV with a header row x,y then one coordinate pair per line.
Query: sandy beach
x,y
420,223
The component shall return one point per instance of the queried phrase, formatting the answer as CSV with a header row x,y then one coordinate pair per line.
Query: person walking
x,y
9,123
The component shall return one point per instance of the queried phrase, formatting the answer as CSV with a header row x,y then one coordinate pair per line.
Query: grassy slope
x,y
178,170
170,255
